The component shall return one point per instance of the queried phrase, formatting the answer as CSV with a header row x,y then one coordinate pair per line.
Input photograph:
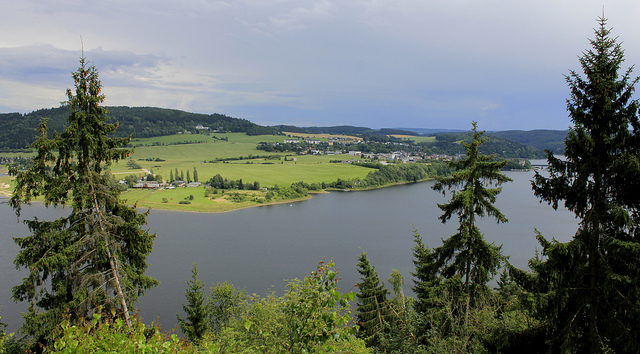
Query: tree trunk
x,y
112,262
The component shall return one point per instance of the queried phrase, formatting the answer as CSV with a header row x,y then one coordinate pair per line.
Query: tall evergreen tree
x,y
171,179
372,311
466,254
96,256
196,323
195,175
188,177
590,297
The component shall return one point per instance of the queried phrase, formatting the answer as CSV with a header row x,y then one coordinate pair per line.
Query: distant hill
x,y
503,147
17,131
541,139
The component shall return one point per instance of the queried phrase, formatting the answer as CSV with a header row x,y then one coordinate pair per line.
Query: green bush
x,y
105,335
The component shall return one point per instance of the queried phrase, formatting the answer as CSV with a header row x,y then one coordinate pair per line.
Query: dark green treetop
x,y
94,258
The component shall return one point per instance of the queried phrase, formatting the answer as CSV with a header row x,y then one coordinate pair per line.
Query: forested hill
x,y
503,147
541,139
17,131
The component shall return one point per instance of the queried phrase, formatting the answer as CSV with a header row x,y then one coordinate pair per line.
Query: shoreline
x,y
172,208
288,201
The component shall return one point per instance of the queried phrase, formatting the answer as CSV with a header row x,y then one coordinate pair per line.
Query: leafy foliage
x,y
312,316
104,334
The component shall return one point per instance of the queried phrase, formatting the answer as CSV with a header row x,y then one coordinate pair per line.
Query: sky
x,y
438,64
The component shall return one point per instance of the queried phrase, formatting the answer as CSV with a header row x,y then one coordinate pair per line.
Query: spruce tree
x,y
372,311
588,287
466,253
94,258
196,323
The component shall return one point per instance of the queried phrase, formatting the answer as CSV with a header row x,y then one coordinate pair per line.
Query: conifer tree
x,y
195,175
171,179
188,177
588,287
96,256
372,311
426,277
466,254
196,323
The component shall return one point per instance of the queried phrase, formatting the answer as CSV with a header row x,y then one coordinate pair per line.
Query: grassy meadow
x,y
322,137
268,172
203,149
417,139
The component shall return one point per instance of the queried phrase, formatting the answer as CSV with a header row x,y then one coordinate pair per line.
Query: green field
x,y
186,157
417,139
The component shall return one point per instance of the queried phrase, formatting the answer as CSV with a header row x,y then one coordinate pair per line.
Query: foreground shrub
x,y
103,335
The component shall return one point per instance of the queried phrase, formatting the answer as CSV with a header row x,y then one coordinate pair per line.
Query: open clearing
x,y
164,159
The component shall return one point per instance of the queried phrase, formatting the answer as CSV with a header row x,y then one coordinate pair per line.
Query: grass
x,y
169,199
417,139
323,137
186,157
6,185
17,154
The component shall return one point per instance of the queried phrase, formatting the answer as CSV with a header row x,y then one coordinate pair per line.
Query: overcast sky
x,y
375,63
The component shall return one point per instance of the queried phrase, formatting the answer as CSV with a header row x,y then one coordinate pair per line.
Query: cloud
x,y
360,62
48,70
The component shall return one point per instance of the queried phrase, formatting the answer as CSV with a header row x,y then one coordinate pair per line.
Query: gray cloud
x,y
360,62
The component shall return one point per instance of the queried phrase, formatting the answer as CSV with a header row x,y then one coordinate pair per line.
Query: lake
x,y
256,249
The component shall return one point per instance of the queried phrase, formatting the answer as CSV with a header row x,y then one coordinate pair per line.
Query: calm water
x,y
257,248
